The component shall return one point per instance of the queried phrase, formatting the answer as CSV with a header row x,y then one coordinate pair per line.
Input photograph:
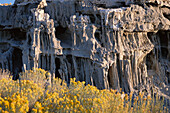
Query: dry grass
x,y
4,74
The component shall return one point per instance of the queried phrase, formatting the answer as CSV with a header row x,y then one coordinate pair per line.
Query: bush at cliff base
x,y
31,96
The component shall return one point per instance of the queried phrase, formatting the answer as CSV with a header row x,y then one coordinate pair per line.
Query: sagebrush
x,y
30,95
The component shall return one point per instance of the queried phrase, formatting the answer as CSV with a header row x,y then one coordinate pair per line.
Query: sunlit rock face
x,y
107,43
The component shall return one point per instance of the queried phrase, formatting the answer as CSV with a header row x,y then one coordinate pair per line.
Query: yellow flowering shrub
x,y
5,4
37,75
80,98
8,87
31,90
29,95
14,104
25,88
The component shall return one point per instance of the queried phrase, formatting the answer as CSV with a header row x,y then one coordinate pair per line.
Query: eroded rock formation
x,y
107,43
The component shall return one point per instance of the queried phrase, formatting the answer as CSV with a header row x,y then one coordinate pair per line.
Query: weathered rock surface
x,y
107,43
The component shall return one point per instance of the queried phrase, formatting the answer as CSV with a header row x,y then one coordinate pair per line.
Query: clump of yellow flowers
x,y
29,95
5,4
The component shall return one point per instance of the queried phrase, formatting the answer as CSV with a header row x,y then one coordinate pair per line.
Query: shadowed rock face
x,y
110,44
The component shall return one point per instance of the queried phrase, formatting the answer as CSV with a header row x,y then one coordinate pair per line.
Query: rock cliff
x,y
107,43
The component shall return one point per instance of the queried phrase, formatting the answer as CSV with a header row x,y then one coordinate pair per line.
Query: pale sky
x,y
6,1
